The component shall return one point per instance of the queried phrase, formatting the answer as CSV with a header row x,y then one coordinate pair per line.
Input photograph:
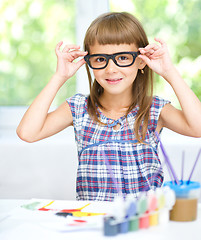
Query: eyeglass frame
x,y
110,56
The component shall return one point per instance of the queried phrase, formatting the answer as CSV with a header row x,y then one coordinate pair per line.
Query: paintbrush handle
x,y
167,159
182,166
111,172
194,166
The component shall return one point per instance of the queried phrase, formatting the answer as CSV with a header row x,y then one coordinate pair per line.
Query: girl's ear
x,y
142,64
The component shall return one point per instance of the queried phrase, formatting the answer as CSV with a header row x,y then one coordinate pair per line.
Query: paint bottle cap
x,y
142,205
152,201
131,205
118,209
160,197
170,197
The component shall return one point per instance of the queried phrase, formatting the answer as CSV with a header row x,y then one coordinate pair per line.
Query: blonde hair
x,y
121,28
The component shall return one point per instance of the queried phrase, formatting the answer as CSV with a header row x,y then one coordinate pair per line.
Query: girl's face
x,y
114,79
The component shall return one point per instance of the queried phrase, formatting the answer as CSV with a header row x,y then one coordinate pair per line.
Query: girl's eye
x,y
122,58
100,59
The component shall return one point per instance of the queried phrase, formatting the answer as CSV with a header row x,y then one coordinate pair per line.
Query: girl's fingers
x,y
148,53
70,52
153,46
69,47
66,48
76,54
145,58
80,63
58,46
159,40
154,50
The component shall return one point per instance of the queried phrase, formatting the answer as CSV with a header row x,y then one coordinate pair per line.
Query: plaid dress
x,y
112,160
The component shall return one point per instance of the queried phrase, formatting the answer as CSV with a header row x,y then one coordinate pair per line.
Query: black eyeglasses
x,y
121,59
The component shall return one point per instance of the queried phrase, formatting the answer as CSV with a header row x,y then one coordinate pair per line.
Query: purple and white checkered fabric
x,y
136,167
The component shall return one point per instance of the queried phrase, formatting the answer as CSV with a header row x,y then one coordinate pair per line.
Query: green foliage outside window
x,y
29,32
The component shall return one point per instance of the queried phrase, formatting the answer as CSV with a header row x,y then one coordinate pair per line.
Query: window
x,y
29,32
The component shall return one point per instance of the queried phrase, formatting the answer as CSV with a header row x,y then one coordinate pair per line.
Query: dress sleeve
x,y
78,106
156,107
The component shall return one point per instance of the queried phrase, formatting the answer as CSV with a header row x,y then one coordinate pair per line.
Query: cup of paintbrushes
x,y
187,195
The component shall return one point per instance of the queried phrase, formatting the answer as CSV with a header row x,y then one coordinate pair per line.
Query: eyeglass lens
x,y
122,60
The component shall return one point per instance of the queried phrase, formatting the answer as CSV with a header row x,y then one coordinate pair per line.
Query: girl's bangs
x,y
114,34
111,32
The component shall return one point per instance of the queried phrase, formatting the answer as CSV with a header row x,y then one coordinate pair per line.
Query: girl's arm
x,y
37,123
188,120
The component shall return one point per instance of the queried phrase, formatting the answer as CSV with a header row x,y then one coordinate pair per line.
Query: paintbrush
x,y
167,159
198,155
182,166
111,173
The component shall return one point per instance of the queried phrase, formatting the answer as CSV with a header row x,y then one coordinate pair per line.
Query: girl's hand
x,y
66,66
157,58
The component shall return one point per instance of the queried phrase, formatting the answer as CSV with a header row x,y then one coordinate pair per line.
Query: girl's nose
x,y
111,67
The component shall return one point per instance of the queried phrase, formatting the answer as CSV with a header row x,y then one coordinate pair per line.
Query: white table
x,y
20,229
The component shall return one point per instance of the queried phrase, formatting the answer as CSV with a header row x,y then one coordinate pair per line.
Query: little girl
x,y
116,123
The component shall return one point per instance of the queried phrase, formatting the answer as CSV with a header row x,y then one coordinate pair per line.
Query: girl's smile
x,y
114,81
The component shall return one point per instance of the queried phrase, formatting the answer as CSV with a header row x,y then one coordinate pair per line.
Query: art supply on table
x,y
142,211
170,199
187,194
152,207
55,208
142,204
131,205
63,214
110,227
131,211
163,208
77,212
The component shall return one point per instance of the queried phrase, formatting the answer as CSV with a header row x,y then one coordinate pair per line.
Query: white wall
x,y
45,169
